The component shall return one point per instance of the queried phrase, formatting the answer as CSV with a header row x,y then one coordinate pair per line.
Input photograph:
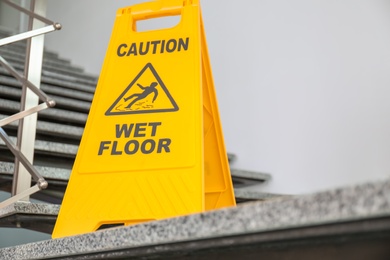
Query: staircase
x,y
59,132
344,223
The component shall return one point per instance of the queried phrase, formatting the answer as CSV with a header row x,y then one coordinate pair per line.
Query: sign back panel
x,y
153,146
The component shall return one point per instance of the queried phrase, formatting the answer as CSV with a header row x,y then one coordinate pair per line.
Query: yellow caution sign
x,y
153,146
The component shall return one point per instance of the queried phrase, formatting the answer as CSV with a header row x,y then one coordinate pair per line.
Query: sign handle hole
x,y
159,23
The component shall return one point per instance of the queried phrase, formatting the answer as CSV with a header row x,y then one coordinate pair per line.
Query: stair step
x,y
248,178
20,47
35,216
53,129
61,102
20,53
60,73
51,89
53,114
50,173
18,57
68,77
245,195
52,148
59,80
56,177
52,79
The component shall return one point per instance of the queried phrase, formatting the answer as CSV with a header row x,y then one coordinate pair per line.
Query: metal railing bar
x,y
28,12
22,114
50,102
16,152
19,196
26,35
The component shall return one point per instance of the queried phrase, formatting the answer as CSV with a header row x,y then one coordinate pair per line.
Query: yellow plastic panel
x,y
141,154
219,190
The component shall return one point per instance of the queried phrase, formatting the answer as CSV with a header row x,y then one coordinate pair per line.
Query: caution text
x,y
153,47
135,138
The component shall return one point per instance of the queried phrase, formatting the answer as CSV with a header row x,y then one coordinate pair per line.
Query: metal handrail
x,y
27,35
47,101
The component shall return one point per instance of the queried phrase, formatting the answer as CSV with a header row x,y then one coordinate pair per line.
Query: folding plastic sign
x,y
153,146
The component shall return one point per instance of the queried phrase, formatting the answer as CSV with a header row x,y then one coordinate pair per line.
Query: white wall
x,y
9,18
303,86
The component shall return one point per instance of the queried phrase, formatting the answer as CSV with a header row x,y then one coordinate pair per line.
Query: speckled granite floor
x,y
361,202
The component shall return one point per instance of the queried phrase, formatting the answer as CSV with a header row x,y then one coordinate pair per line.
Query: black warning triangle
x,y
147,93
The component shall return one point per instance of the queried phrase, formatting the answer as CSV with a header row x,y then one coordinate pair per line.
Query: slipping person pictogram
x,y
139,96
139,99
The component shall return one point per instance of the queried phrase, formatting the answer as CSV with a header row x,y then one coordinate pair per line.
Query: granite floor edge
x,y
369,200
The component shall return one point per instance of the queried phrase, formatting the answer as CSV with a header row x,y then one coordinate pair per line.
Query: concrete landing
x,y
350,221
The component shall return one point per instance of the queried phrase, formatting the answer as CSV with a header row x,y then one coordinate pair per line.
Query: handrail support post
x,y
27,125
